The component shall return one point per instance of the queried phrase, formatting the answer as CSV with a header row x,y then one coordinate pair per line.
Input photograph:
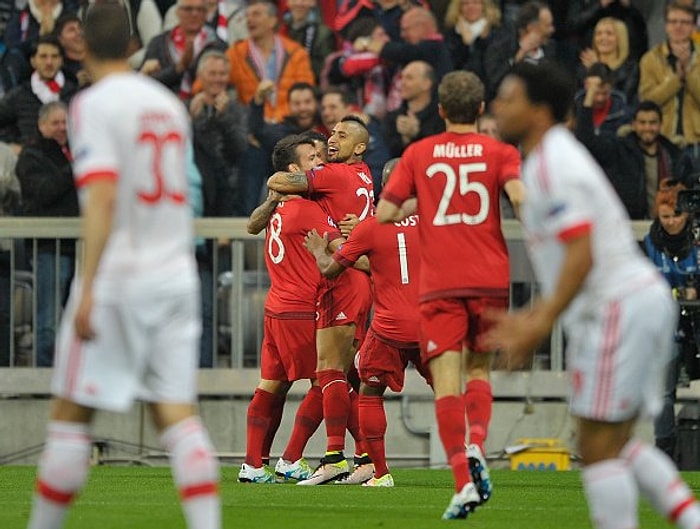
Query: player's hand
x,y
83,326
315,243
516,335
276,196
348,223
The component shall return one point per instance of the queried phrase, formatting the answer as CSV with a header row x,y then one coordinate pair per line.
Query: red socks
x,y
336,407
373,427
307,420
260,412
451,420
478,400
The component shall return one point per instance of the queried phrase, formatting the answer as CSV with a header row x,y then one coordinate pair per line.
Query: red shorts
x,y
383,364
451,324
345,300
288,350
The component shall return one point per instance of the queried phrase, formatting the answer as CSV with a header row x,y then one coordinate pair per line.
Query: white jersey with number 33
x,y
131,129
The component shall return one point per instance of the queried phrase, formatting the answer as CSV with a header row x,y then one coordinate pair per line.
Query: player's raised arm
x,y
388,212
261,215
288,183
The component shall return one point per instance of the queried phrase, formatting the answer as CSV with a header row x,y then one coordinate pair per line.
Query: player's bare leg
x,y
450,413
194,466
617,467
335,354
263,420
478,399
64,464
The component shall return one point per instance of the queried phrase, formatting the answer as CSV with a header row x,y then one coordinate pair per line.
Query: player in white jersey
x,y
132,325
617,313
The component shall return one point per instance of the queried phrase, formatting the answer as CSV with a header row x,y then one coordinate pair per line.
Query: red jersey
x,y
340,188
458,179
293,272
394,260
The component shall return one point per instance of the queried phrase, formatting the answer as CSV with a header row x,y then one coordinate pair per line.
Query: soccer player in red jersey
x,y
457,177
342,187
392,339
288,351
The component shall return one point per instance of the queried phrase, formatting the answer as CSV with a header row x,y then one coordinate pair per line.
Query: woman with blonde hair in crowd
x,y
610,45
469,30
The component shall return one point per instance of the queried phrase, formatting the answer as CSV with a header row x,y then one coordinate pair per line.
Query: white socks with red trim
x,y
612,494
196,472
659,481
62,471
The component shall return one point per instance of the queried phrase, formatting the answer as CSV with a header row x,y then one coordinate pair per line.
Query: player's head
x,y
348,141
107,33
320,142
461,97
388,169
533,95
295,153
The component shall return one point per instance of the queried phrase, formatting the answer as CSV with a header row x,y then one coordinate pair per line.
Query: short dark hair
x,y
50,40
527,14
547,84
679,6
602,70
352,118
300,85
648,106
345,95
107,31
461,95
314,135
285,151
63,21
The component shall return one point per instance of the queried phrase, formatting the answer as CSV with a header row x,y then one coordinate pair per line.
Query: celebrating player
x,y
131,328
617,311
457,177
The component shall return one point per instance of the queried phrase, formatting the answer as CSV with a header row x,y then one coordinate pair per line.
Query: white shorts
x,y
142,350
620,353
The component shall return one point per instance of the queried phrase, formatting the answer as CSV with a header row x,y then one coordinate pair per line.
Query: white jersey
x,y
568,193
132,129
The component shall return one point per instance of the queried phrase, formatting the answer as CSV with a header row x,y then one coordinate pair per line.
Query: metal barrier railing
x,y
234,281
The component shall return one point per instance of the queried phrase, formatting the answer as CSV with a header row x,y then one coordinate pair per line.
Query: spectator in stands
x,y
19,108
9,202
171,57
304,25
69,31
387,13
267,55
669,75
670,245
609,106
421,42
610,46
225,17
360,72
337,103
46,178
469,31
303,115
30,20
585,14
530,42
418,115
638,162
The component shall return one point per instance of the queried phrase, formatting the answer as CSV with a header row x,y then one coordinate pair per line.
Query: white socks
x,y
612,494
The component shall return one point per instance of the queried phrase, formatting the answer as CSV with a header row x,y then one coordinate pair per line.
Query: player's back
x,y
293,272
394,255
132,127
564,202
341,188
458,178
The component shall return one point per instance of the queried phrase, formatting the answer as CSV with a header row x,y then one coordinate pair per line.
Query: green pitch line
x,y
144,498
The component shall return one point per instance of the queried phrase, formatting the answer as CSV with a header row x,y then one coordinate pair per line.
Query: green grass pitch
x,y
144,498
